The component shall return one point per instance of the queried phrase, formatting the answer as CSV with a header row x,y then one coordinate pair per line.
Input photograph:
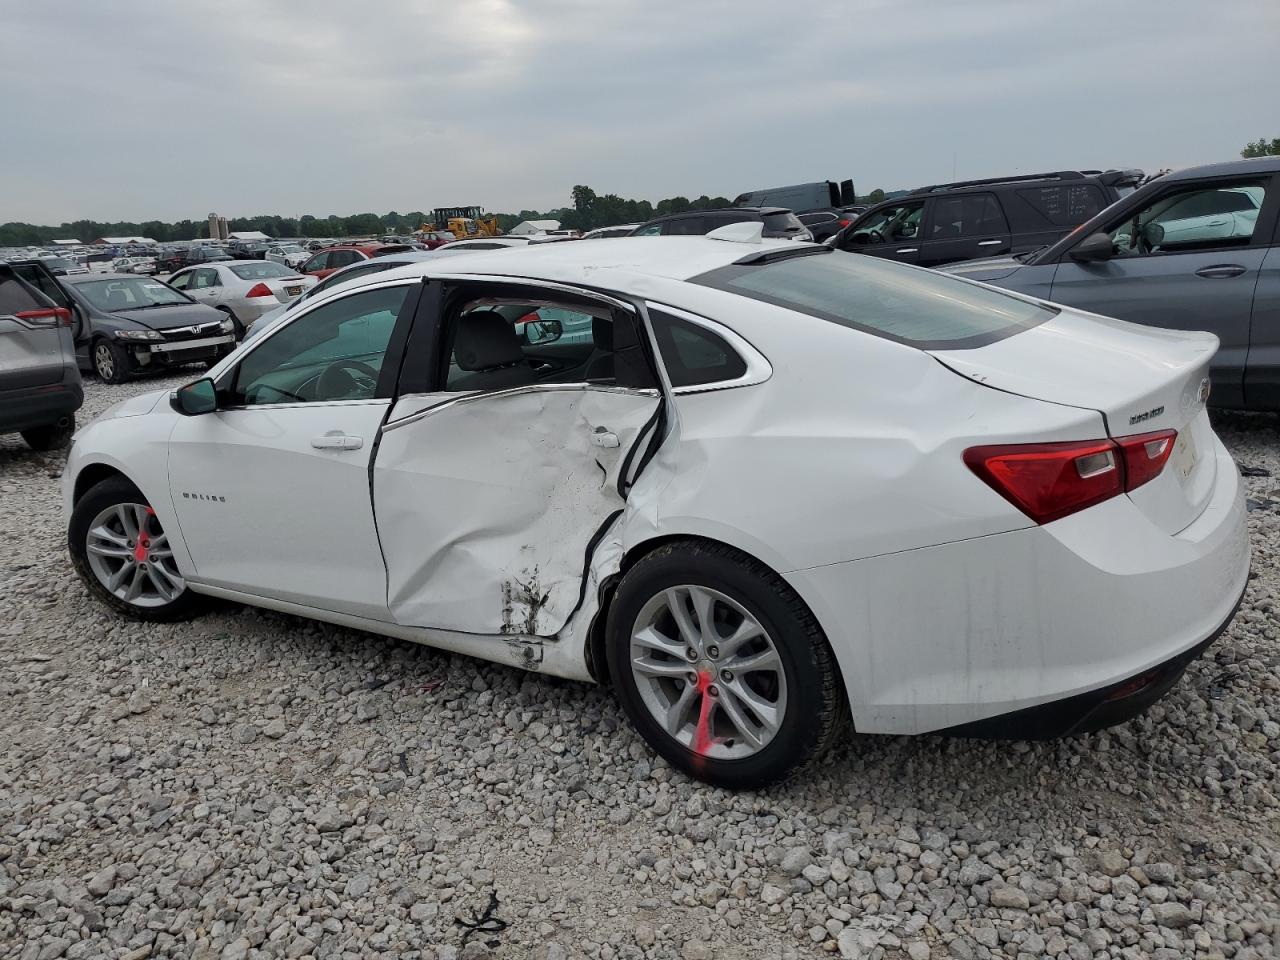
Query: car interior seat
x,y
487,349
600,365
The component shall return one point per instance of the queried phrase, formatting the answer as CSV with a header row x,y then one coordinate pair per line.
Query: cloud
x,y
135,110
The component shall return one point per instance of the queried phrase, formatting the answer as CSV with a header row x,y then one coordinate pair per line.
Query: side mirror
x,y
543,331
195,398
1093,249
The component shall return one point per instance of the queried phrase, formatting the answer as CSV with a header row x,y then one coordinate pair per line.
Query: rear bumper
x,y
40,406
1043,626
1095,710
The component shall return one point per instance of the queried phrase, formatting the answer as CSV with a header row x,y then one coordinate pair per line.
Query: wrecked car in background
x,y
1022,523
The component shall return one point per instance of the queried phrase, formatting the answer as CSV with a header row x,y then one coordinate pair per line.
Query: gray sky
x,y
131,110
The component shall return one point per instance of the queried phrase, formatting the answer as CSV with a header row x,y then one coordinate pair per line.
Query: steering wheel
x,y
875,235
344,377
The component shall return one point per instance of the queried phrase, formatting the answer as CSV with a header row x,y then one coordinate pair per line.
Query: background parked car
x,y
139,265
62,266
778,222
321,264
124,323
290,254
1192,250
363,268
180,257
40,388
948,222
824,224
242,289
608,233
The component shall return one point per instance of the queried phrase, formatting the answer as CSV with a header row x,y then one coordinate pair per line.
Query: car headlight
x,y
227,326
138,335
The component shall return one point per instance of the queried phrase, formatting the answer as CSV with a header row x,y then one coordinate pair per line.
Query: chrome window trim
x,y
458,399
559,287
311,405
758,367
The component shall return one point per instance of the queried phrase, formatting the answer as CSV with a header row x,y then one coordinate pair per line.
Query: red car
x,y
325,262
436,238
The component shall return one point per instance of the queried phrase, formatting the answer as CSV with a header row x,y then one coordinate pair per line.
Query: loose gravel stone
x,y
250,785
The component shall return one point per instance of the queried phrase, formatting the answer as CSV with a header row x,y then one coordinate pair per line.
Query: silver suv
x,y
40,388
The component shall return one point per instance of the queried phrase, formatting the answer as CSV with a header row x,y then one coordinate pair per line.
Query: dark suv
x,y
40,388
778,222
984,218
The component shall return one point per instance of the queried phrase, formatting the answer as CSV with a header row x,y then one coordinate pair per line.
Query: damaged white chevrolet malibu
x,y
756,486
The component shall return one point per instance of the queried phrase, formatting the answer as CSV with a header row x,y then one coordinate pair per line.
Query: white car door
x,y
493,484
272,488
205,285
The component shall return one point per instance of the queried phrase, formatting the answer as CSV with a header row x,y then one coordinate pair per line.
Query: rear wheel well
x,y
91,476
597,662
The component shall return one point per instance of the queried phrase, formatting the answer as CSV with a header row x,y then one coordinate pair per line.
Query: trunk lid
x,y
1141,379
287,289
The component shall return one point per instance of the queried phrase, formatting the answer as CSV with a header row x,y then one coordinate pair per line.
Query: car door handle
x,y
990,243
604,438
337,441
1220,271
908,250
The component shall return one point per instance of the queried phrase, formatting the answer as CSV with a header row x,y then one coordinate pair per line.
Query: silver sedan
x,y
243,289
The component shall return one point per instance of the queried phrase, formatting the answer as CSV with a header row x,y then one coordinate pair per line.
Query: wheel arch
x,y
92,474
597,662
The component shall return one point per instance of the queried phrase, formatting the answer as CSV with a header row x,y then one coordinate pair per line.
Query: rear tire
x,y
111,363
50,436
736,713
123,556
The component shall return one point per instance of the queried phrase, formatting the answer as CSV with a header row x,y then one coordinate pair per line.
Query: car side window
x,y
318,262
1219,216
181,281
971,215
887,225
694,355
332,353
205,278
342,258
687,227
653,230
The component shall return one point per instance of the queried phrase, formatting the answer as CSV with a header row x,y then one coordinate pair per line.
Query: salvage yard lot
x,y
253,784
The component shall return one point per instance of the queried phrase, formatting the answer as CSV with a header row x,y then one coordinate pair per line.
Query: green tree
x,y
1261,148
875,196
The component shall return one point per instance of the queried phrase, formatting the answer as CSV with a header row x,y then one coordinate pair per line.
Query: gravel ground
x,y
253,785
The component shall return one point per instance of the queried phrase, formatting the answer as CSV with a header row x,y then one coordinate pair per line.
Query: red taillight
x,y
845,223
1048,481
1145,456
53,317
259,290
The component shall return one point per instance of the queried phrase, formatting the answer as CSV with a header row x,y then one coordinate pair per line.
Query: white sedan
x,y
242,289
778,485
292,255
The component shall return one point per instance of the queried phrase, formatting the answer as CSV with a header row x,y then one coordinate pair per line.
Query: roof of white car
x,y
599,262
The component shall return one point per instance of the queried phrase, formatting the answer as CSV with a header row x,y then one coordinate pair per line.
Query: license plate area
x,y
293,291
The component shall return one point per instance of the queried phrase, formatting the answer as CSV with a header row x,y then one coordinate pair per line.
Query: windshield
x,y
129,294
891,300
261,270
290,248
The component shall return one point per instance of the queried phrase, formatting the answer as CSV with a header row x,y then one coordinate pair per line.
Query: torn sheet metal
x,y
485,506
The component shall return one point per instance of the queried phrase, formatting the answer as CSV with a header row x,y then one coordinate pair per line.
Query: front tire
x,y
721,666
110,362
51,436
123,555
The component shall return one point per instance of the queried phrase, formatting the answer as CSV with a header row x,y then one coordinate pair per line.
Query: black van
x,y
948,222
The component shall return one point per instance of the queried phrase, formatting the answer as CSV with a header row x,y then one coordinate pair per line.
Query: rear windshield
x,y
16,296
786,222
261,270
912,306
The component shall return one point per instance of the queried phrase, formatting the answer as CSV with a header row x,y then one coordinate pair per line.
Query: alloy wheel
x,y
708,672
104,361
130,555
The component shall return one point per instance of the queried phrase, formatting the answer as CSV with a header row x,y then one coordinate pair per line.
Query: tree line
x,y
586,211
